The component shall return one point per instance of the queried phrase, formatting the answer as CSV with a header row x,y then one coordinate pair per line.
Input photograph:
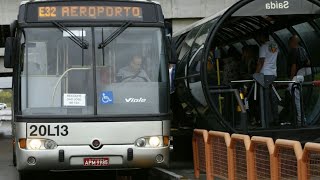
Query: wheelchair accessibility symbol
x,y
106,97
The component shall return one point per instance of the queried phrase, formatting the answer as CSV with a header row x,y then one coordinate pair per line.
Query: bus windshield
x,y
59,77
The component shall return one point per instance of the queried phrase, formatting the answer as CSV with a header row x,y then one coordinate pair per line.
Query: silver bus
x,y
90,84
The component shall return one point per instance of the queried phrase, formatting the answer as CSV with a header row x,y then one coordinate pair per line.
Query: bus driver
x,y
133,72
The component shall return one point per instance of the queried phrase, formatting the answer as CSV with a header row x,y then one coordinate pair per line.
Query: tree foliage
x,y
6,96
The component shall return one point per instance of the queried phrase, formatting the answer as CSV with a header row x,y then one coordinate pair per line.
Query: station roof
x,y
259,8
197,23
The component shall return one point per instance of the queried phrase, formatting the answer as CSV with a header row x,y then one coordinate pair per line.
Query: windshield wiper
x,y
115,34
80,42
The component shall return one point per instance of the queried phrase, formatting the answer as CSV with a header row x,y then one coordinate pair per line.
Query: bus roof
x,y
27,1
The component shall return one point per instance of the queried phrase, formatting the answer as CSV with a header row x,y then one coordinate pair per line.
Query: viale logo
x,y
133,100
277,5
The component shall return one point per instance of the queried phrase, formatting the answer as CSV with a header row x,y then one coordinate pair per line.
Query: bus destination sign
x,y
83,13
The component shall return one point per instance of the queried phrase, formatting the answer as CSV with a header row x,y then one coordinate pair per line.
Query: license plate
x,y
95,161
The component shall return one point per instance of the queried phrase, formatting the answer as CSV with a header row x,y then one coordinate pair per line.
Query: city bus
x,y
214,93
90,85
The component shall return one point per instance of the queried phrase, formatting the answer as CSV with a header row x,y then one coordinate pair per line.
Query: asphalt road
x,y
7,170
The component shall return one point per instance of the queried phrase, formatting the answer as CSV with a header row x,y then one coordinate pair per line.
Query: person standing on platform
x,y
267,65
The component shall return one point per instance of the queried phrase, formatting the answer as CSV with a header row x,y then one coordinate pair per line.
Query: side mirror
x,y
10,51
172,50
168,27
13,28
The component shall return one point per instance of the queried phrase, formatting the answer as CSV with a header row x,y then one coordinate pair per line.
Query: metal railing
x,y
262,149
222,156
199,142
310,161
218,157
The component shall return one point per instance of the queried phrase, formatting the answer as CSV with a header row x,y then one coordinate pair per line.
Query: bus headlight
x,y
141,142
49,144
34,144
41,144
152,142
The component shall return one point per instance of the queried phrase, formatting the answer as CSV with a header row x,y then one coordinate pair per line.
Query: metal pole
x,y
295,119
255,91
242,81
219,83
284,81
263,122
275,91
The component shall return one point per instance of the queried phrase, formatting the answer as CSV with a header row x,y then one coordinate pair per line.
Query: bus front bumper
x,y
74,157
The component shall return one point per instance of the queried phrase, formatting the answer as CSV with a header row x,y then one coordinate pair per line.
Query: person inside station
x,y
299,70
211,66
133,72
249,61
231,72
231,66
247,69
267,65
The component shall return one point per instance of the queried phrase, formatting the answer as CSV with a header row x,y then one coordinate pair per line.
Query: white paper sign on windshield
x,y
74,99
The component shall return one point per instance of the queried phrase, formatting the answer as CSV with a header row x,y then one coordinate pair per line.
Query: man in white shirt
x,y
268,53
267,65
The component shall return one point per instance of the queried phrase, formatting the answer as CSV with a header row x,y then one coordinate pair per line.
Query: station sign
x,y
89,12
277,7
